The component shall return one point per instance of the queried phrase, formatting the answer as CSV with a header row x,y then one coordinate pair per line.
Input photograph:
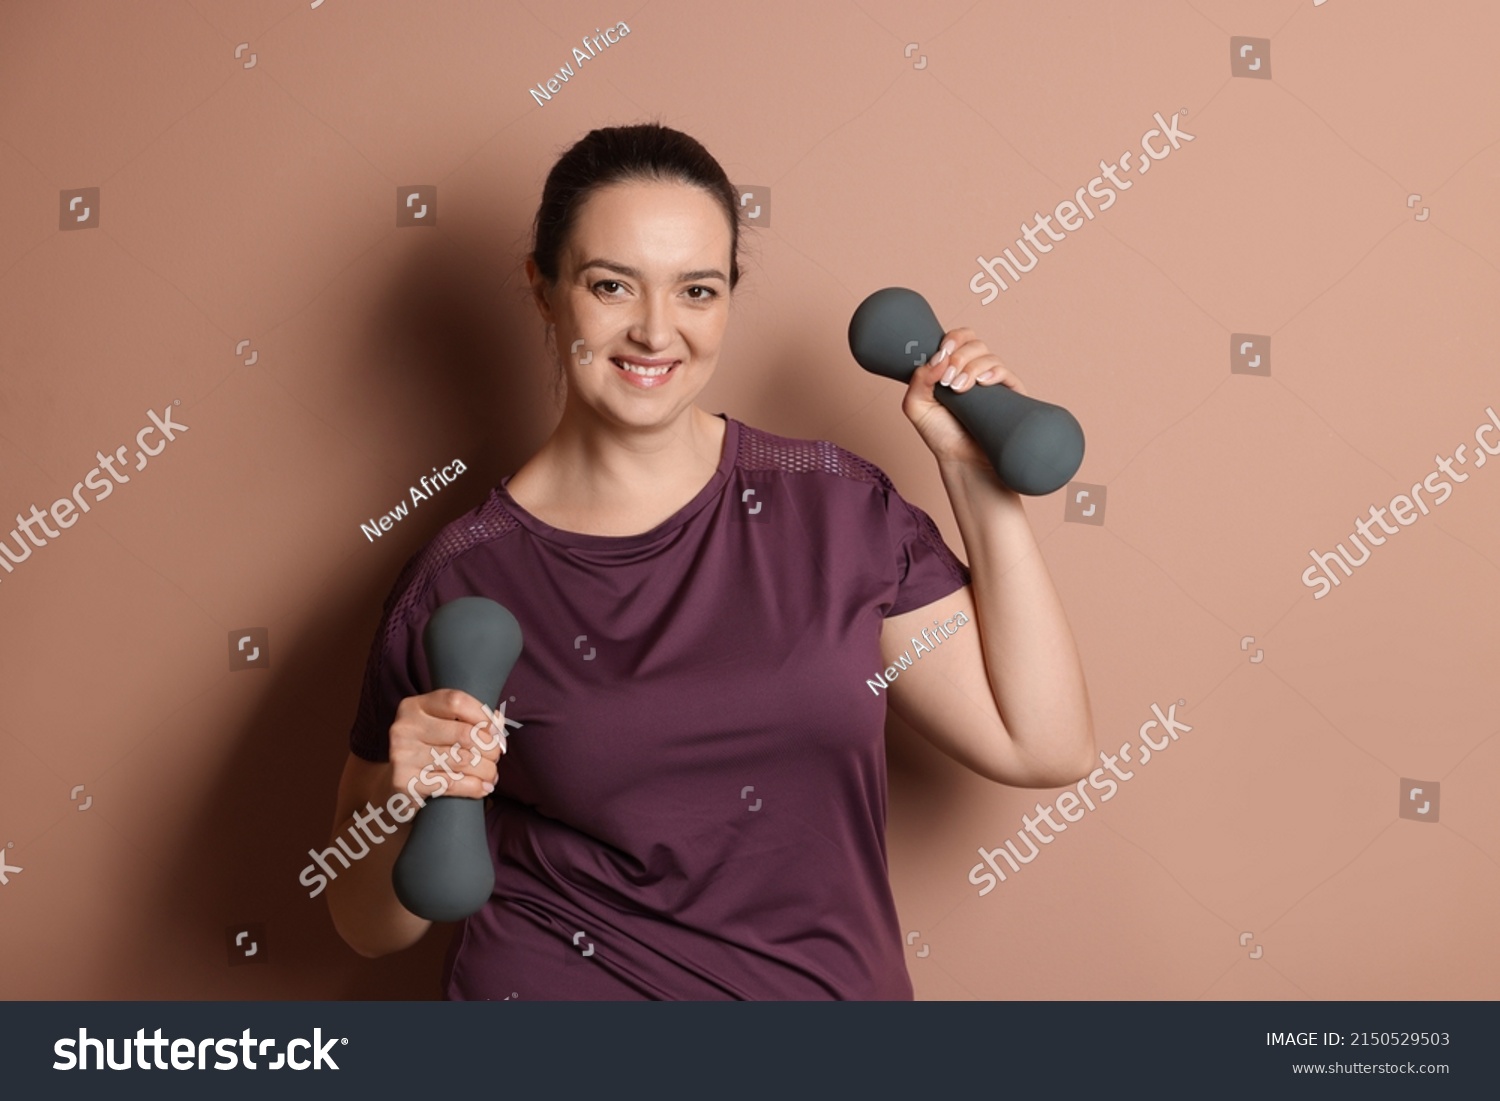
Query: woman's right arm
x,y
362,899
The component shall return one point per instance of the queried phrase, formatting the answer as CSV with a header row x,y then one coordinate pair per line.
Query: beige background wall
x,y
1262,856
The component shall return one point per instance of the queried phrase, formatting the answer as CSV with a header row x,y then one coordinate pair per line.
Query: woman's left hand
x,y
965,361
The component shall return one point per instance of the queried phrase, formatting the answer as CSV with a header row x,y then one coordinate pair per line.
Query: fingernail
x,y
959,382
986,376
947,379
945,350
488,788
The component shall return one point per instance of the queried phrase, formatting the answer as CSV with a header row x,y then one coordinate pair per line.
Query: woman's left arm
x,y
1004,694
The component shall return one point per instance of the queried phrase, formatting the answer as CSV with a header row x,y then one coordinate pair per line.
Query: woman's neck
x,y
597,478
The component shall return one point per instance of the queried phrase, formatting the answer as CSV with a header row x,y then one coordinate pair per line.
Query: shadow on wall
x,y
454,353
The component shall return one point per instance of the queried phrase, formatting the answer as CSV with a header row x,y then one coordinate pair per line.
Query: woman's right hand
x,y
445,743
442,743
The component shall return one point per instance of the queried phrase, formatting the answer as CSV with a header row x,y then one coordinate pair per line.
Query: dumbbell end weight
x,y
1035,447
441,874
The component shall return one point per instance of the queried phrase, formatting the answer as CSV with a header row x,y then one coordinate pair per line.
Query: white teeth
x,y
634,369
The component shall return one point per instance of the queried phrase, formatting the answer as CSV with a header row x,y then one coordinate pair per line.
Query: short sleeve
x,y
926,568
394,670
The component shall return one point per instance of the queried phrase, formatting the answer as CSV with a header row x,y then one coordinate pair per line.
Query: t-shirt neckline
x,y
709,492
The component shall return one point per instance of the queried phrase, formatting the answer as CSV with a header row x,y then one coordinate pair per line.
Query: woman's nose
x,y
652,325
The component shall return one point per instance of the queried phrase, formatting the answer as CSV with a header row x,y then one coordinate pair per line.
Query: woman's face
x,y
645,276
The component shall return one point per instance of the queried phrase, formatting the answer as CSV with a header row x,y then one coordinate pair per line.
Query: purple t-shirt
x,y
694,805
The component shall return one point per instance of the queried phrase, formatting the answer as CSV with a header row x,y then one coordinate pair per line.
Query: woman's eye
x,y
709,292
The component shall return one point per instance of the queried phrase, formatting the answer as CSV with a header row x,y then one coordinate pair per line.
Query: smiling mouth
x,y
643,371
639,375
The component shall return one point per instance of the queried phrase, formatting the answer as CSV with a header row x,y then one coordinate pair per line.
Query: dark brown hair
x,y
618,154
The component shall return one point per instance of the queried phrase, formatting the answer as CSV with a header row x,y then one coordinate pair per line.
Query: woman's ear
x,y
538,290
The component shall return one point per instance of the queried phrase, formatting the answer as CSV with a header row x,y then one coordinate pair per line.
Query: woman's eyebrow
x,y
702,273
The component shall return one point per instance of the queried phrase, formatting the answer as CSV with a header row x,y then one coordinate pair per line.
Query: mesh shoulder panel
x,y
488,522
761,450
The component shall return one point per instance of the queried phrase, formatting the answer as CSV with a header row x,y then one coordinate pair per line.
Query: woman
x,y
693,805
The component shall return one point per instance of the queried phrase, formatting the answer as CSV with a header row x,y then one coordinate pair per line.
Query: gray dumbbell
x,y
1034,446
